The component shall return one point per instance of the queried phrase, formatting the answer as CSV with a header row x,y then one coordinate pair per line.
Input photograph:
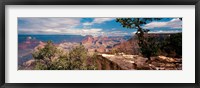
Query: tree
x,y
172,45
78,57
50,58
136,23
148,45
45,54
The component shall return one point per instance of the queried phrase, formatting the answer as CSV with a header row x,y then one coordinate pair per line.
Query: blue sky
x,y
90,26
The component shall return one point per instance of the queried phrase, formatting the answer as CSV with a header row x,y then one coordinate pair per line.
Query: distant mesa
x,y
88,39
29,43
101,43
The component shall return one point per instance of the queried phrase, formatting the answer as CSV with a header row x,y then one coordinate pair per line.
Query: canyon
x,y
114,53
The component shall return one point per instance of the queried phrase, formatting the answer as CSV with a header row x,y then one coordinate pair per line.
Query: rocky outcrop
x,y
101,44
29,43
25,49
66,46
28,65
105,64
125,62
88,40
136,62
129,47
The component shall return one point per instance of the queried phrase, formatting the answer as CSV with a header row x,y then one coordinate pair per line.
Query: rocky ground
x,y
137,62
128,62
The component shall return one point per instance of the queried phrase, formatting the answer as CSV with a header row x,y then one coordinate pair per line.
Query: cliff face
x,y
101,44
28,65
129,47
88,40
136,62
126,54
106,64
25,49
29,43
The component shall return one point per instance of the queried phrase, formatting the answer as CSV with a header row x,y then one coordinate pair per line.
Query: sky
x,y
90,26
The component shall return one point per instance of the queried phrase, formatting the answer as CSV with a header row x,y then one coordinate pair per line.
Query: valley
x,y
112,53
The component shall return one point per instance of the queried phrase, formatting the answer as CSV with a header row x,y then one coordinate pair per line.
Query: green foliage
x,y
150,47
176,43
78,58
134,23
49,58
147,47
78,53
40,66
45,53
172,46
61,63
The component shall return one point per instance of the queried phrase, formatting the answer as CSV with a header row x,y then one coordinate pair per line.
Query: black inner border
x,y
98,2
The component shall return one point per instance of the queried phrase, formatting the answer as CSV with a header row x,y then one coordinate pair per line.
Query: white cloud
x,y
58,25
161,31
174,23
98,21
87,23
48,23
52,31
63,31
114,33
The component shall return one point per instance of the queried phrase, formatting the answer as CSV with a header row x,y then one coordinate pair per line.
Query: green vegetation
x,y
172,46
136,23
50,58
149,46
44,56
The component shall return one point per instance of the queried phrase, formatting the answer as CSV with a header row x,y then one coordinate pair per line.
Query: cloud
x,y
83,32
57,25
174,23
87,23
114,33
117,33
94,32
64,31
47,23
98,21
161,31
74,26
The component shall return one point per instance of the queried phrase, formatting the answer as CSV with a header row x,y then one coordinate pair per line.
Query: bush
x,y
40,66
172,45
79,59
45,53
149,47
76,59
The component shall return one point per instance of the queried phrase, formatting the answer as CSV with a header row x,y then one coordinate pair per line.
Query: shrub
x,y
76,59
45,53
172,45
149,47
